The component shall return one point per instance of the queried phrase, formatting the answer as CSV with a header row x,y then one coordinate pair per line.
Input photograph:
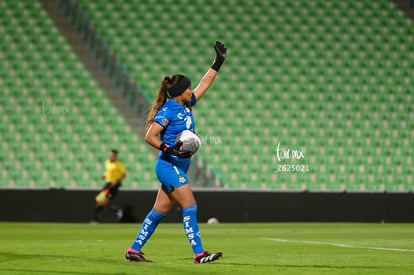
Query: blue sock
x,y
148,227
191,228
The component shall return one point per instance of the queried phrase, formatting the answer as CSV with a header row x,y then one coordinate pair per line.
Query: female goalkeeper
x,y
169,116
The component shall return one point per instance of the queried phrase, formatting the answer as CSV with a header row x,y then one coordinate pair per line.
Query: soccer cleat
x,y
208,257
137,256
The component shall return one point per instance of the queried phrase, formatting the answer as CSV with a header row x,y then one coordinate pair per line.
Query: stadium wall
x,y
59,205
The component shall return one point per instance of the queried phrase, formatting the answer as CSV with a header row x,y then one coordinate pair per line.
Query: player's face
x,y
186,96
112,156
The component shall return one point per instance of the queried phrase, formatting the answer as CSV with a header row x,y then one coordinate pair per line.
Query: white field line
x,y
339,245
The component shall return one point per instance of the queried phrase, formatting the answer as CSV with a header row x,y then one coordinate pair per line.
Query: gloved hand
x,y
175,150
221,52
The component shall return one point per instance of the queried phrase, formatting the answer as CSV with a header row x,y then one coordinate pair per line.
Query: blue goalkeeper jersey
x,y
175,118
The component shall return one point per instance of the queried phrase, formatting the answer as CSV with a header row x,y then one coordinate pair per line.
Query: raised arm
x,y
205,83
211,74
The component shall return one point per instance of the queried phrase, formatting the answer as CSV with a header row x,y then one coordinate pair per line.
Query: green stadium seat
x,y
48,148
332,83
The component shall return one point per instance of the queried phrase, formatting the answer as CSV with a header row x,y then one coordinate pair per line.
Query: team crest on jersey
x,y
181,179
164,122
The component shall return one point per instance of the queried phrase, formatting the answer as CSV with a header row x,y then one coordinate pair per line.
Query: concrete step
x,y
106,83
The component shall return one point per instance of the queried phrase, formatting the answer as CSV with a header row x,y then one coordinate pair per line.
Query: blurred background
x,y
314,96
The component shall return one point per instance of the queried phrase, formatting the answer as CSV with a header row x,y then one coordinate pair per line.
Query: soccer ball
x,y
212,221
191,142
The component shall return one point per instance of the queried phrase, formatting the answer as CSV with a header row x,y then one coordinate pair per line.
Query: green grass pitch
x,y
261,248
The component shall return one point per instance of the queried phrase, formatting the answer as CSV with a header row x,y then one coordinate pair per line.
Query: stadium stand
x,y
329,78
329,83
57,124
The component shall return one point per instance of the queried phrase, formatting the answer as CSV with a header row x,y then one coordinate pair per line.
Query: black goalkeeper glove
x,y
221,52
175,150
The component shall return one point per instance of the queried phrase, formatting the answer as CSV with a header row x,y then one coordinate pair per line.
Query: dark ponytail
x,y
162,96
169,87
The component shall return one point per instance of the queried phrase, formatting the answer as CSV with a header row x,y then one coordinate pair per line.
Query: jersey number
x,y
188,122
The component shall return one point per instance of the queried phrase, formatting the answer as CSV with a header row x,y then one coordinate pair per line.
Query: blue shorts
x,y
171,171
